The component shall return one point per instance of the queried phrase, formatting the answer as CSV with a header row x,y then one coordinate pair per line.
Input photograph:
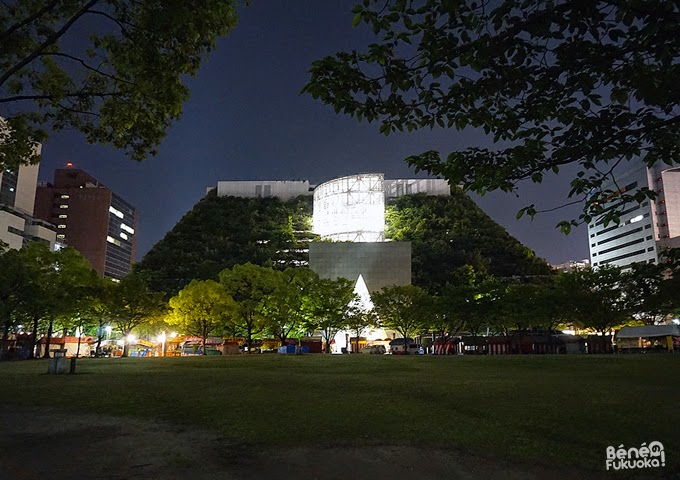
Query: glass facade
x,y
120,238
8,188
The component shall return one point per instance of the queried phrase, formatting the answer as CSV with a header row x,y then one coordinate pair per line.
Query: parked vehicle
x,y
401,346
374,349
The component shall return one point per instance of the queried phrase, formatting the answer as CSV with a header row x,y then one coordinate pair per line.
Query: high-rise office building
x,y
646,229
17,197
90,218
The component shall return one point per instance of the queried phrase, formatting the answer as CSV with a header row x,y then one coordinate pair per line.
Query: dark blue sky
x,y
246,120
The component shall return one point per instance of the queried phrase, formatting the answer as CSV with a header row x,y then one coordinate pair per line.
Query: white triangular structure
x,y
364,301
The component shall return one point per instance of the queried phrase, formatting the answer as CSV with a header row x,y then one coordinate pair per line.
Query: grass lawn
x,y
539,409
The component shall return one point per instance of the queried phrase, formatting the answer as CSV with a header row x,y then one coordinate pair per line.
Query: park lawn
x,y
546,410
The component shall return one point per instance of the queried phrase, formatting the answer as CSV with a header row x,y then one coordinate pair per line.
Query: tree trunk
x,y
99,338
327,347
205,334
126,345
249,339
48,339
34,337
5,337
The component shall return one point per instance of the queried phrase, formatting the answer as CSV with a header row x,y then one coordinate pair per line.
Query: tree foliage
x,y
654,289
249,286
450,232
14,277
552,83
61,286
112,69
201,308
221,232
402,308
132,303
286,308
598,298
328,304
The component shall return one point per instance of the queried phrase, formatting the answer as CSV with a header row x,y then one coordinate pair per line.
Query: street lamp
x,y
161,339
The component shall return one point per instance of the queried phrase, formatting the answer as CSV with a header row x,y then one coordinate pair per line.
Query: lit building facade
x,y
18,226
90,218
351,209
645,229
282,189
350,212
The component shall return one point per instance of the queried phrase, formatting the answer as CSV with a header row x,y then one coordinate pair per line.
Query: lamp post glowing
x,y
161,340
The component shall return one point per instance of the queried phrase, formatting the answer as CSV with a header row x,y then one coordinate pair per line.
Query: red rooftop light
x,y
69,164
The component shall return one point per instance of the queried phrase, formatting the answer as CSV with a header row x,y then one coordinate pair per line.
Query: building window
x,y
616,237
65,197
649,237
621,257
63,216
267,190
61,226
116,212
110,239
61,236
123,236
63,206
623,245
650,249
258,190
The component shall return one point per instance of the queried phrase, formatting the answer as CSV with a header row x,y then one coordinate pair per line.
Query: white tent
x,y
649,331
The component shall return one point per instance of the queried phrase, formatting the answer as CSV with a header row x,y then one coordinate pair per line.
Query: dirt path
x,y
53,445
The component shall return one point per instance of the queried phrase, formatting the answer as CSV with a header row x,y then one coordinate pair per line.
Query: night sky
x,y
246,120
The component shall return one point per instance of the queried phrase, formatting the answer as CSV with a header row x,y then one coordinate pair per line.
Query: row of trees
x,y
52,291
596,300
250,300
255,300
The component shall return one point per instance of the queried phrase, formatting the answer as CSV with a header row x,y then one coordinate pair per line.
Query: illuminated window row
x,y
116,212
130,230
110,239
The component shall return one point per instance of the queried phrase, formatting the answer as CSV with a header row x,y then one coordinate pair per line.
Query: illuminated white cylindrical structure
x,y
351,208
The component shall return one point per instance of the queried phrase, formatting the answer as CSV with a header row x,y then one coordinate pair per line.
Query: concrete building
x,y
379,263
18,226
350,211
646,229
352,208
408,186
90,218
283,189
571,265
